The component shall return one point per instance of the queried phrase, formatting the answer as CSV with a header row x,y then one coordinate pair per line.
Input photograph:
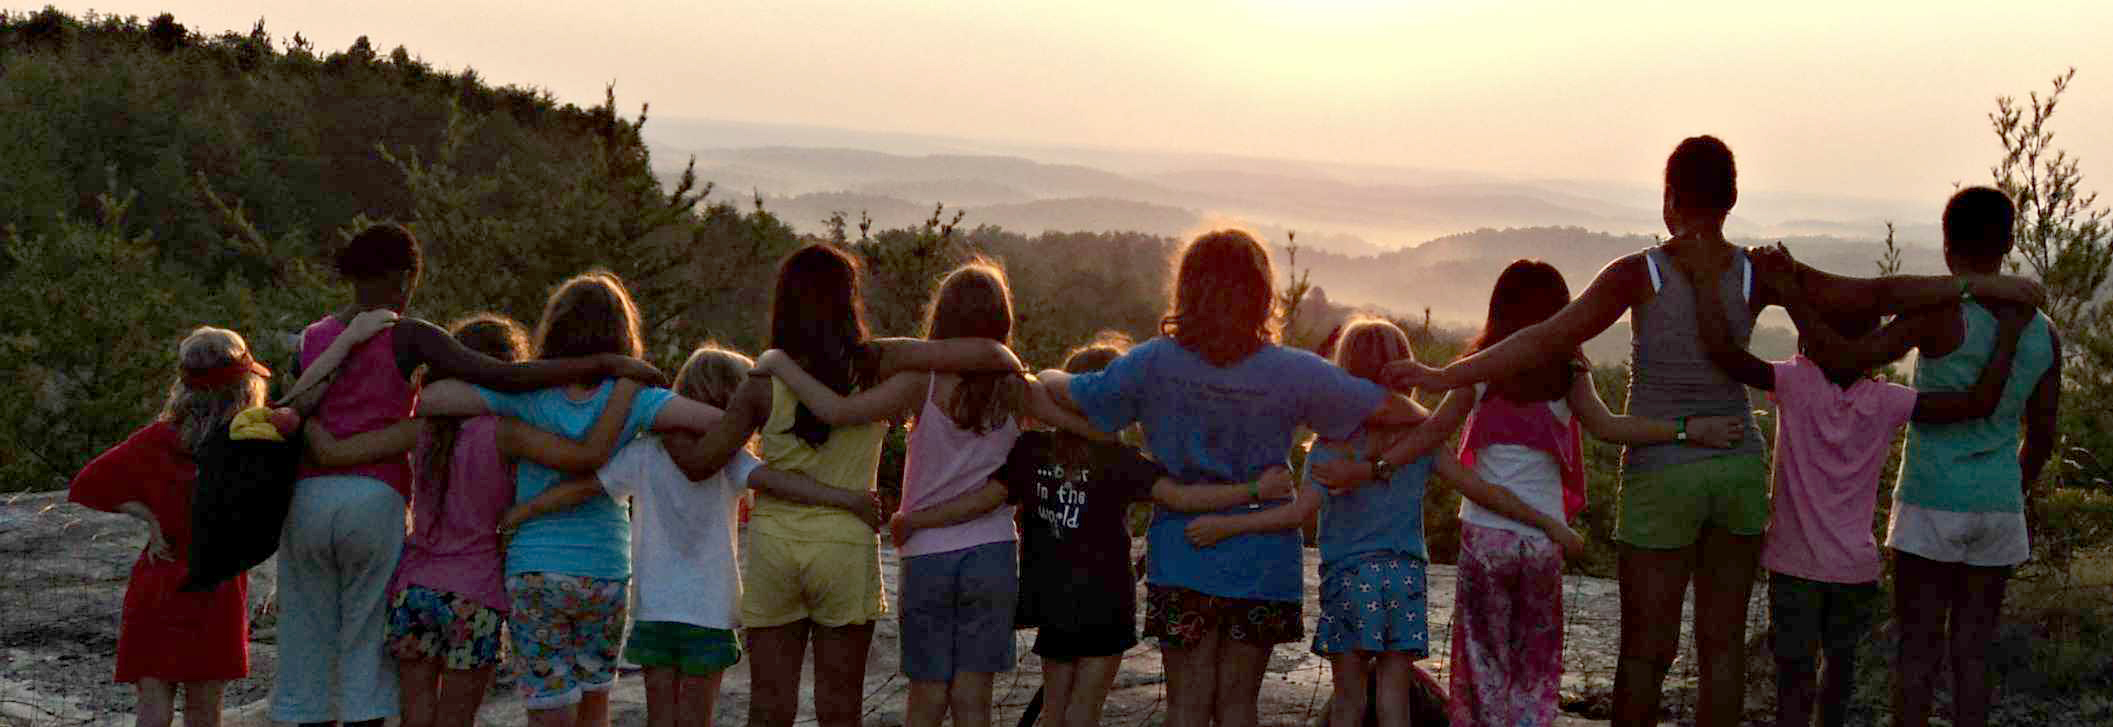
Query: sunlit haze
x,y
1876,100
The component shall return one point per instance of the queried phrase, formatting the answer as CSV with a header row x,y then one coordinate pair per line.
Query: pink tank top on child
x,y
945,461
454,545
369,394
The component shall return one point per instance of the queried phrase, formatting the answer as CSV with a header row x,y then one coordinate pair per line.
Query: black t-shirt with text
x,y
1074,496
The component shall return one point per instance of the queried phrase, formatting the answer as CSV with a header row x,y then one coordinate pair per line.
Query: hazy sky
x,y
1885,99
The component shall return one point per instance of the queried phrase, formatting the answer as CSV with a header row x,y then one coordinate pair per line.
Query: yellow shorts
x,y
831,584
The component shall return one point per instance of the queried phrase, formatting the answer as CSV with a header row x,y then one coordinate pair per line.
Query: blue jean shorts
x,y
957,610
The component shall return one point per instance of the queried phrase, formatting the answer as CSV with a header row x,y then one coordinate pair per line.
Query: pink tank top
x,y
945,461
1498,420
369,394
453,545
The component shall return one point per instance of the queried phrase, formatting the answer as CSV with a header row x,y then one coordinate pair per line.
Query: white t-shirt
x,y
1534,475
682,534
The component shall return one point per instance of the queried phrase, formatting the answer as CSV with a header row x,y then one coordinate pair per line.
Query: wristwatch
x,y
1382,470
1680,433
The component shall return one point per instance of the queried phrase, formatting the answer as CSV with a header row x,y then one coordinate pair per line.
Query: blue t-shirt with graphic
x,y
1375,519
593,539
1206,423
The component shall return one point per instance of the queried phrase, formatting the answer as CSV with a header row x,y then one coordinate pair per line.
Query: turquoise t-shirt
x,y
1206,423
594,539
1972,466
1378,518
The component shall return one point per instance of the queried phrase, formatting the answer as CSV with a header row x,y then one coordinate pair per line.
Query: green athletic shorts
x,y
696,650
1668,508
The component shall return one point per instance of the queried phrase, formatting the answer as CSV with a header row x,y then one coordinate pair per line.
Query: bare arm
x,y
446,358
1275,484
1418,441
1398,411
1899,294
374,446
1938,407
1607,426
952,355
1504,502
560,498
968,506
1042,405
1208,530
2041,412
701,457
520,440
1619,286
895,396
1715,330
308,390
451,398
793,487
1058,385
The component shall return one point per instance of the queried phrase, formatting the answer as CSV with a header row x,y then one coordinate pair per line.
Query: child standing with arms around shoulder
x,y
168,638
1076,584
448,596
1221,401
960,582
682,550
1835,431
1373,557
1524,436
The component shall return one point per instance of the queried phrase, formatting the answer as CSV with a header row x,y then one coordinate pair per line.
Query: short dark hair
x,y
1700,175
379,250
1979,224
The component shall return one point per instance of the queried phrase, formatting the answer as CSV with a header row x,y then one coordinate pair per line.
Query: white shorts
x,y
1973,538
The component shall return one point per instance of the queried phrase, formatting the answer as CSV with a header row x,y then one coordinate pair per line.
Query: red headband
x,y
224,376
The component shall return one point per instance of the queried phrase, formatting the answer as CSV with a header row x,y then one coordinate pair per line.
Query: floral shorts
x,y
1376,604
567,632
1180,618
431,625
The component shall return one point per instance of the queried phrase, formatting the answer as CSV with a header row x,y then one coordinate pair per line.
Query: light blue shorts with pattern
x,y
1374,604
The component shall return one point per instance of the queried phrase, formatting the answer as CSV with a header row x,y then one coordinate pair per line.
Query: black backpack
x,y
239,505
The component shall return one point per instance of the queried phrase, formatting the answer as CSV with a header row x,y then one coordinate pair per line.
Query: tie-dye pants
x,y
1507,645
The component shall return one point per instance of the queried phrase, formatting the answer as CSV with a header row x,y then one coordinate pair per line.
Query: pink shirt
x,y
945,461
370,393
1830,446
453,545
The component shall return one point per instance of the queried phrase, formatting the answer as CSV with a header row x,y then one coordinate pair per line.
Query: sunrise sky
x,y
1877,99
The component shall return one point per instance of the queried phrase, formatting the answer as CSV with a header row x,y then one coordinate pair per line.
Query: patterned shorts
x,y
566,633
1376,604
432,625
1180,618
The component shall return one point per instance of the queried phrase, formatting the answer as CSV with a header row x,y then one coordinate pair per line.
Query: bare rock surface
x,y
64,577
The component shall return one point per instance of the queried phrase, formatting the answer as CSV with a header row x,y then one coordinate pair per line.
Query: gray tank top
x,y
1670,373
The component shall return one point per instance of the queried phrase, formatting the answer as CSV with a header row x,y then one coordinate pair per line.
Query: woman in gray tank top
x,y
1680,506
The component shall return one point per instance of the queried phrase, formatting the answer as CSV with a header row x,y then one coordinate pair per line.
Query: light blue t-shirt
x,y
1206,423
594,539
1378,518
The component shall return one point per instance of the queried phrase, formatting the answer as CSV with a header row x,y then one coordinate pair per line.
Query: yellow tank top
x,y
849,460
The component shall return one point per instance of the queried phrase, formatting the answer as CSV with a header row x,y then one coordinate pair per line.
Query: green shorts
x,y
1668,508
696,650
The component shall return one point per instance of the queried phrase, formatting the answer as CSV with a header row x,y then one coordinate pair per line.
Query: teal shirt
x,y
593,539
1972,466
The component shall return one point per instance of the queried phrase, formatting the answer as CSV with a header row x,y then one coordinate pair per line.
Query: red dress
x,y
164,633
